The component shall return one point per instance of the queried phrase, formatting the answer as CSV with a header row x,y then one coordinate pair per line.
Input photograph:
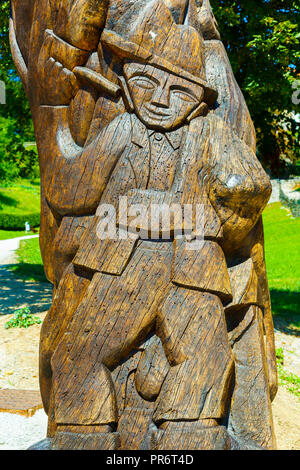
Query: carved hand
x,y
56,62
79,22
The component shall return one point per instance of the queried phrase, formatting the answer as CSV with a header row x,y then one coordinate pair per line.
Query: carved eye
x,y
184,96
142,82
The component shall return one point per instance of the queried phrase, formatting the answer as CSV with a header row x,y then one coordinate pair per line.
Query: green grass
x,y
7,234
30,265
19,202
282,244
21,197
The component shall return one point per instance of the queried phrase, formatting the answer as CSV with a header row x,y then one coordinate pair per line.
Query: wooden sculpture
x,y
150,343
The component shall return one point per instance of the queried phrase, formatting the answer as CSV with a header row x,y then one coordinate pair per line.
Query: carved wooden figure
x,y
153,341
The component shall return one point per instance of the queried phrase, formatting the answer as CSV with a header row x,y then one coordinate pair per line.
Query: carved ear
x,y
201,110
126,95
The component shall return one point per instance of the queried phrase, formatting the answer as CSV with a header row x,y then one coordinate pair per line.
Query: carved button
x,y
158,137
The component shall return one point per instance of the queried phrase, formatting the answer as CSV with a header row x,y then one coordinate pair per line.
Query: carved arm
x,y
75,177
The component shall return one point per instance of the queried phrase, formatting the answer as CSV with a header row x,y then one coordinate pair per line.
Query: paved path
x,y
275,197
8,247
19,433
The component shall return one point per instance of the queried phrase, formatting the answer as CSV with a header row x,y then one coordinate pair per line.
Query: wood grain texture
x,y
252,394
153,341
180,437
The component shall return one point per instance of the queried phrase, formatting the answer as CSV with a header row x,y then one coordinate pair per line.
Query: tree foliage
x,y
16,160
17,106
262,40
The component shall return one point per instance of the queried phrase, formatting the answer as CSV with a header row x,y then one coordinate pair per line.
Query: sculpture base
x,y
159,440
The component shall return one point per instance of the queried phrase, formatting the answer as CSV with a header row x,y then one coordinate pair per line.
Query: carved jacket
x,y
203,163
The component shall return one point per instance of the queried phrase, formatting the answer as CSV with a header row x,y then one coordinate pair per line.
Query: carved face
x,y
161,100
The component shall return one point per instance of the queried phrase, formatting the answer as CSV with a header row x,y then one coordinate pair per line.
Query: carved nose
x,y
160,98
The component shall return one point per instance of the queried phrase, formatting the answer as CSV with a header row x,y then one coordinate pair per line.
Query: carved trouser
x,y
115,316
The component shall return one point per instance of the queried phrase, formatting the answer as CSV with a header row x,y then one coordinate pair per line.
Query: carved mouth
x,y
157,115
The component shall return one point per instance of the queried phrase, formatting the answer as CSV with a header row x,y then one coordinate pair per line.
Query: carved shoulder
x,y
76,177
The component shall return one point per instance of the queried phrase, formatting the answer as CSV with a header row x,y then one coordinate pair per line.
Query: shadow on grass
x,y
32,272
8,201
24,284
286,310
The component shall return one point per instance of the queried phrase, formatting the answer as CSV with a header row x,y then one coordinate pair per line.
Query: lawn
x,y
30,266
7,234
19,202
282,242
22,196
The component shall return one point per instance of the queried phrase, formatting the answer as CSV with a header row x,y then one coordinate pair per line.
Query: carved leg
x,y
69,294
116,314
197,388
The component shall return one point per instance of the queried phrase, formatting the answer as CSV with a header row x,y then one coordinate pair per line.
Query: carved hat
x,y
152,37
